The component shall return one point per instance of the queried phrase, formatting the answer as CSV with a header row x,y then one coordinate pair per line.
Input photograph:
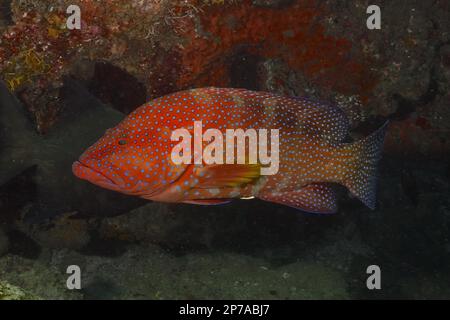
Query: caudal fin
x,y
362,176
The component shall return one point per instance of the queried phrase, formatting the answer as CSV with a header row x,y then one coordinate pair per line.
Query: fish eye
x,y
122,140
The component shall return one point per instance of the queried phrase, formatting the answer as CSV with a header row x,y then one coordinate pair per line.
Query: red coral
x,y
292,33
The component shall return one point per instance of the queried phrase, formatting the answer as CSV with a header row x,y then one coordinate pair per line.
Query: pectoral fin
x,y
226,175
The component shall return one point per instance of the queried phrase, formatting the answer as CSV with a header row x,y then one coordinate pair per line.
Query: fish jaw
x,y
111,182
85,172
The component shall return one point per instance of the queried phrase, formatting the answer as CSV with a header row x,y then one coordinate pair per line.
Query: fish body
x,y
135,157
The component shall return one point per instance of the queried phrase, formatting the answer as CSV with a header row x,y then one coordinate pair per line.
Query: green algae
x,y
10,292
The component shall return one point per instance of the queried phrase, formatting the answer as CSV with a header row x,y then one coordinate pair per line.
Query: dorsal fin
x,y
319,118
294,113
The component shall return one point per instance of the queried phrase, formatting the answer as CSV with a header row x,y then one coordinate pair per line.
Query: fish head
x,y
127,160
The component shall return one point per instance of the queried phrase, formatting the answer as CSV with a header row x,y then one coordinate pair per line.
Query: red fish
x,y
135,157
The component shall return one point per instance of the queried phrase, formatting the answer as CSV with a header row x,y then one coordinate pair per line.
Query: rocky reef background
x,y
128,52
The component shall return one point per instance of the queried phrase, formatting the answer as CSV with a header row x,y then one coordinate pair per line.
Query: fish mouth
x,y
90,173
86,172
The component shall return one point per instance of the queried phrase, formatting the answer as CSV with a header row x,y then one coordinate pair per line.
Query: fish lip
x,y
104,181
81,169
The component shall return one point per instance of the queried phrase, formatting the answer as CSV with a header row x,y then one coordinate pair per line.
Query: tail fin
x,y
362,177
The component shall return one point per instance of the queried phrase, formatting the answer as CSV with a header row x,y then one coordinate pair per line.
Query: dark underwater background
x,y
61,89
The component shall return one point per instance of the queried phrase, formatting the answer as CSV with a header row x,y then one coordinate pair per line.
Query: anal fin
x,y
314,198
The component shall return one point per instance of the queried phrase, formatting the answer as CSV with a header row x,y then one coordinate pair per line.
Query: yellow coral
x,y
53,33
23,67
56,25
